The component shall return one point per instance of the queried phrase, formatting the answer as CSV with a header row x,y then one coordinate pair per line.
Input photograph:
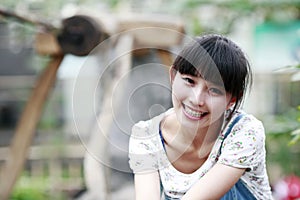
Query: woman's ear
x,y
231,102
172,74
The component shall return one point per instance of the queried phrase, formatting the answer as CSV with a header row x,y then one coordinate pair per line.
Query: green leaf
x,y
296,138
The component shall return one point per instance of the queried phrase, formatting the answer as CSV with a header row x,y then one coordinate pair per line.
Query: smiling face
x,y
218,60
197,102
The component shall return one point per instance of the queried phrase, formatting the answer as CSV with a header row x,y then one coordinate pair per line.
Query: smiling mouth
x,y
193,113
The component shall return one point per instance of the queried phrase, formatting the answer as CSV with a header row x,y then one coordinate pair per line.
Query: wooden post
x,y
26,128
95,173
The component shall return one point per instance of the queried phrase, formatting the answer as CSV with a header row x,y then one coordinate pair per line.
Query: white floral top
x,y
244,148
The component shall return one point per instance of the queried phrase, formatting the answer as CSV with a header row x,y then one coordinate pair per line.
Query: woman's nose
x,y
198,96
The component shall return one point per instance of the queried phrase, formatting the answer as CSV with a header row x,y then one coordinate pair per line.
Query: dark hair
x,y
219,60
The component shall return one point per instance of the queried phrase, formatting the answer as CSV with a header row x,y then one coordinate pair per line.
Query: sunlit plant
x,y
296,133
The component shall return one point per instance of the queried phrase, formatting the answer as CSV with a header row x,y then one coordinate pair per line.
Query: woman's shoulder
x,y
246,119
251,120
247,125
145,147
244,146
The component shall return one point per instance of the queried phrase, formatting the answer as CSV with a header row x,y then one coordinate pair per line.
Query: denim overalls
x,y
237,192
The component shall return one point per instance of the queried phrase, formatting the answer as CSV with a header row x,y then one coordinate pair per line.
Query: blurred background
x,y
56,165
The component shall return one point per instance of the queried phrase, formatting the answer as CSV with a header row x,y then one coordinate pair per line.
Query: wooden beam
x,y
153,30
26,129
166,57
26,19
47,44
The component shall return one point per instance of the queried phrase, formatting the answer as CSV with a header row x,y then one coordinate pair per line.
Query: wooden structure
x,y
79,35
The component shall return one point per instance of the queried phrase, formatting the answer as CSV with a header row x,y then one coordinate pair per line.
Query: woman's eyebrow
x,y
218,84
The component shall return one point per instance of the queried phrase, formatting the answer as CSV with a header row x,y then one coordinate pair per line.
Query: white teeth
x,y
192,112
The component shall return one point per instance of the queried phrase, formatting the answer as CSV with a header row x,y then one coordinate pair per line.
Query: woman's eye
x,y
189,80
216,91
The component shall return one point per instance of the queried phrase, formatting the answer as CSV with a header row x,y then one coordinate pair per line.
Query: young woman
x,y
205,147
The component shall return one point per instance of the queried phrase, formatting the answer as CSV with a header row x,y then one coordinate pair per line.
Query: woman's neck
x,y
188,139
202,136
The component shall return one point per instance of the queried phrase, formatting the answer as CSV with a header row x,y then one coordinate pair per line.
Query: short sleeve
x,y
144,148
244,147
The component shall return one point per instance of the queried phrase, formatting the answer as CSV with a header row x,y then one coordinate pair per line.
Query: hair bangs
x,y
196,61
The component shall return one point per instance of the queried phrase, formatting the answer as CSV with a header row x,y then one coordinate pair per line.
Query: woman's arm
x,y
215,184
147,186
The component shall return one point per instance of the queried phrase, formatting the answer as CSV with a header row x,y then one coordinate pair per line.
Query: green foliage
x,y
296,133
279,152
196,26
29,194
229,11
30,189
282,155
40,188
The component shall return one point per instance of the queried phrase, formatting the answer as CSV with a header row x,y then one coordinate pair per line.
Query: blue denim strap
x,y
239,191
229,130
162,139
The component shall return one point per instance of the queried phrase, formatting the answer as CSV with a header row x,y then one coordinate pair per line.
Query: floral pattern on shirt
x,y
242,148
